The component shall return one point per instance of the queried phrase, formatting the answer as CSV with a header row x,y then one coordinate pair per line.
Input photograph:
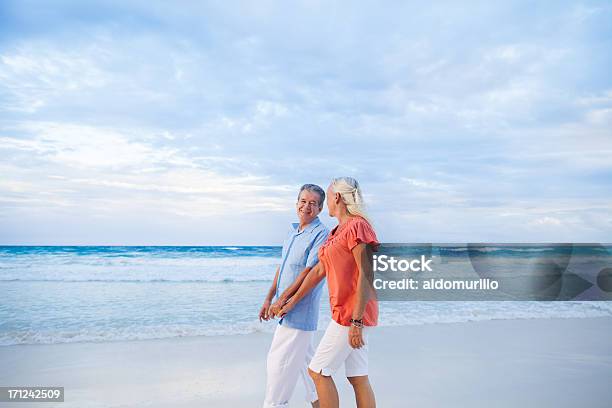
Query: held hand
x,y
285,309
264,313
275,308
356,337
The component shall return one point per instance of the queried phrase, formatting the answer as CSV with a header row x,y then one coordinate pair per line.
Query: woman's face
x,y
332,205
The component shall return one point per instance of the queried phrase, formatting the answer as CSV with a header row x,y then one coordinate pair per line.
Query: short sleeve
x,y
361,232
313,254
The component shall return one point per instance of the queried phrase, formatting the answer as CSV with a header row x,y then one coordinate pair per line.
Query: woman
x,y
345,259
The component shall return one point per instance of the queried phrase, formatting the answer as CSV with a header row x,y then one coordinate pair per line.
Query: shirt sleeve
x,y
362,232
313,254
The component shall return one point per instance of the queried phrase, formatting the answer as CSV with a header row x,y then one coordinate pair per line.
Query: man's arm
x,y
264,311
312,279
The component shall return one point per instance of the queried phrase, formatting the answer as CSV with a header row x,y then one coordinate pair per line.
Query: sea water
x,y
64,294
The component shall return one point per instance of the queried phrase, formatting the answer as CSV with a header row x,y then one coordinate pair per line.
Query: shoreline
x,y
527,362
269,329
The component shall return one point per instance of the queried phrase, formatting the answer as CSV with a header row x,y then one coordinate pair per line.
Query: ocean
x,y
63,294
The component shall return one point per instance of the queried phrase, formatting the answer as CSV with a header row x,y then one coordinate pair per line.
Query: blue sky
x,y
194,124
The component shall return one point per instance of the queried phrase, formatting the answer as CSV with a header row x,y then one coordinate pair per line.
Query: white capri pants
x,y
288,359
335,350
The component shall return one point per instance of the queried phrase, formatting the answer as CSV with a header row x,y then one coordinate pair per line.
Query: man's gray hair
x,y
313,188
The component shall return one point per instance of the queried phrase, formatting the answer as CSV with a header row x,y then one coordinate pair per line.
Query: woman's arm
x,y
287,293
290,291
311,279
363,255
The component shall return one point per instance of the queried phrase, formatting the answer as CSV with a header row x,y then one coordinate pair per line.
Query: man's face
x,y
308,206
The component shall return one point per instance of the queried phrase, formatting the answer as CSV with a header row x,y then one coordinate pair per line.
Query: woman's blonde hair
x,y
350,192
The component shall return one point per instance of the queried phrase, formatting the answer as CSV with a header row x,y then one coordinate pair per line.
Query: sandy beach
x,y
501,363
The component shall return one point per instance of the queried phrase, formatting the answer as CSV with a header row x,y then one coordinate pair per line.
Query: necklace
x,y
340,227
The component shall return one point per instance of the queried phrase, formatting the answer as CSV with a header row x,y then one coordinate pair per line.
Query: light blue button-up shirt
x,y
300,250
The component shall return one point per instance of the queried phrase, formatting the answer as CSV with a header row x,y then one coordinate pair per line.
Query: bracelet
x,y
357,323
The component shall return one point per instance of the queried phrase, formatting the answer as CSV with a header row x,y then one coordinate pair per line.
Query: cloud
x,y
121,169
209,110
546,221
34,75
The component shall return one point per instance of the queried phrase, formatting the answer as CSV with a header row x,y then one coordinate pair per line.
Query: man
x,y
292,347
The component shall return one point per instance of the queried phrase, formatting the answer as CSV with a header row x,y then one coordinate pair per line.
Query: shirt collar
x,y
308,228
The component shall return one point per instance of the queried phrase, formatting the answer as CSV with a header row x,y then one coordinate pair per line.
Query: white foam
x,y
145,269
391,314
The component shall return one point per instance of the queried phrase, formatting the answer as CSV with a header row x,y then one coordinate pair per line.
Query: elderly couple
x,y
310,253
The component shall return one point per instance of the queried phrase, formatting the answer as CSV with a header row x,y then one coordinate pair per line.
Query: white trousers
x,y
288,359
335,350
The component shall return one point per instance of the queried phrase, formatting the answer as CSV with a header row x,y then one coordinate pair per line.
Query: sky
x,y
195,123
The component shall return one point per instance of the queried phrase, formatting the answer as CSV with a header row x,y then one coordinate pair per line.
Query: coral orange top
x,y
342,270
